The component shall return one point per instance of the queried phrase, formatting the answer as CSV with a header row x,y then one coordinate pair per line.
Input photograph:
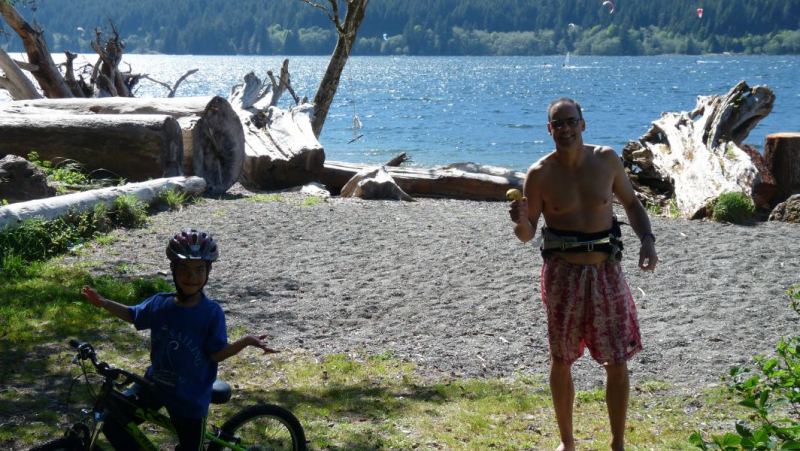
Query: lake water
x,y
490,110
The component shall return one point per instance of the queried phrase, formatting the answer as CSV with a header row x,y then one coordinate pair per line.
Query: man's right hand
x,y
518,210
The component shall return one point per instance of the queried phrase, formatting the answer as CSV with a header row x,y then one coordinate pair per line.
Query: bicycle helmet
x,y
192,244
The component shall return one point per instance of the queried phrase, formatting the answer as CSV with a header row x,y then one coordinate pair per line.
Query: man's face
x,y
565,125
191,275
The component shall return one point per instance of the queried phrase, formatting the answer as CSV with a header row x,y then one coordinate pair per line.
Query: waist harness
x,y
608,241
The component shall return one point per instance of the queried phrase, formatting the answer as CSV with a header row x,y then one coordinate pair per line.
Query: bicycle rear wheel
x,y
61,444
263,427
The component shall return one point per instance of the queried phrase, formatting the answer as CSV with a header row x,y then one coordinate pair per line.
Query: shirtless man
x,y
587,300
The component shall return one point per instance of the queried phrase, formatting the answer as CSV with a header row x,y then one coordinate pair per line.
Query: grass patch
x,y
266,198
345,402
310,201
172,199
369,402
41,301
654,209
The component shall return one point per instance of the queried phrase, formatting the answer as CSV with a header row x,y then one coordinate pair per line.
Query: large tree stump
x,y
136,147
281,149
213,138
697,155
782,155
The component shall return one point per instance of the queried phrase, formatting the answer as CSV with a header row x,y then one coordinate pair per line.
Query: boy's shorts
x,y
589,306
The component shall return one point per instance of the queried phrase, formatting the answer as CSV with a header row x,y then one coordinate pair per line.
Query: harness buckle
x,y
590,247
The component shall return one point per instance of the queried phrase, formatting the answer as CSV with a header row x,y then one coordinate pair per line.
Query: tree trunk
x,y
782,155
136,147
451,183
46,73
330,81
15,81
213,138
696,155
53,207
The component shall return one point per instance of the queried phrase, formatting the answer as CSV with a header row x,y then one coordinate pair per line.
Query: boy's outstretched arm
x,y
115,308
234,348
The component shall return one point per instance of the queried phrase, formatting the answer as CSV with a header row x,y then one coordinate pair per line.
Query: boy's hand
x,y
258,342
91,295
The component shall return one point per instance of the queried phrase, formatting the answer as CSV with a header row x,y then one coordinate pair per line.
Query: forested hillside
x,y
427,27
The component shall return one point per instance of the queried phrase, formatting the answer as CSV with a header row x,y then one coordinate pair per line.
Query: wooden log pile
x,y
200,135
695,156
135,146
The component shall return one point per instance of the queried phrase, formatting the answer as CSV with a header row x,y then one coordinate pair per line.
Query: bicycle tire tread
x,y
285,416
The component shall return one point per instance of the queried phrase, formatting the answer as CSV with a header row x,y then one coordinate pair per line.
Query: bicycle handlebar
x,y
86,352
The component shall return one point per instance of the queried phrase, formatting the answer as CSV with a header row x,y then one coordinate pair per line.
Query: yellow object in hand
x,y
513,194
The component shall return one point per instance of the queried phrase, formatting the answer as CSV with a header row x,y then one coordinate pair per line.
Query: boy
x,y
187,340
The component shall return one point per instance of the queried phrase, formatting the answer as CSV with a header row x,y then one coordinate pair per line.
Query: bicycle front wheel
x,y
263,427
61,444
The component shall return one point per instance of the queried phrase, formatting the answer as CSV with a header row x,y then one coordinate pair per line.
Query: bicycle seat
x,y
220,392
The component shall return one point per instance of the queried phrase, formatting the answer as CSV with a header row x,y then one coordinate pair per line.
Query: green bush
x,y
772,391
128,211
37,239
733,207
173,198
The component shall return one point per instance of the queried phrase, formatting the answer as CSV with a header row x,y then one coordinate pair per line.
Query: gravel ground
x,y
446,284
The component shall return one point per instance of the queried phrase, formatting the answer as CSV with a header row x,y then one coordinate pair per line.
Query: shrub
x,y
772,391
733,207
173,198
37,239
68,172
128,211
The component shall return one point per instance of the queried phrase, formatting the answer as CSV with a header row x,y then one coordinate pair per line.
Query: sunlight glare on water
x,y
489,110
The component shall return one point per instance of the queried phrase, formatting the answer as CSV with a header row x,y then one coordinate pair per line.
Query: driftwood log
x,y
13,80
450,182
281,150
136,147
54,207
696,156
213,139
374,183
782,156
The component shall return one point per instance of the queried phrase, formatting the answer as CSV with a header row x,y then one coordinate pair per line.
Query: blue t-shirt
x,y
181,339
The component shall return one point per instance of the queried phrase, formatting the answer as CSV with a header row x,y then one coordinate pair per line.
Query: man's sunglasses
x,y
570,122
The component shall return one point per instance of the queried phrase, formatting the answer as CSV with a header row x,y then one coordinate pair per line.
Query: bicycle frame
x,y
116,404
113,402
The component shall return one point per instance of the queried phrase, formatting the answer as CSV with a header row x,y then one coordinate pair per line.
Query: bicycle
x,y
259,427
